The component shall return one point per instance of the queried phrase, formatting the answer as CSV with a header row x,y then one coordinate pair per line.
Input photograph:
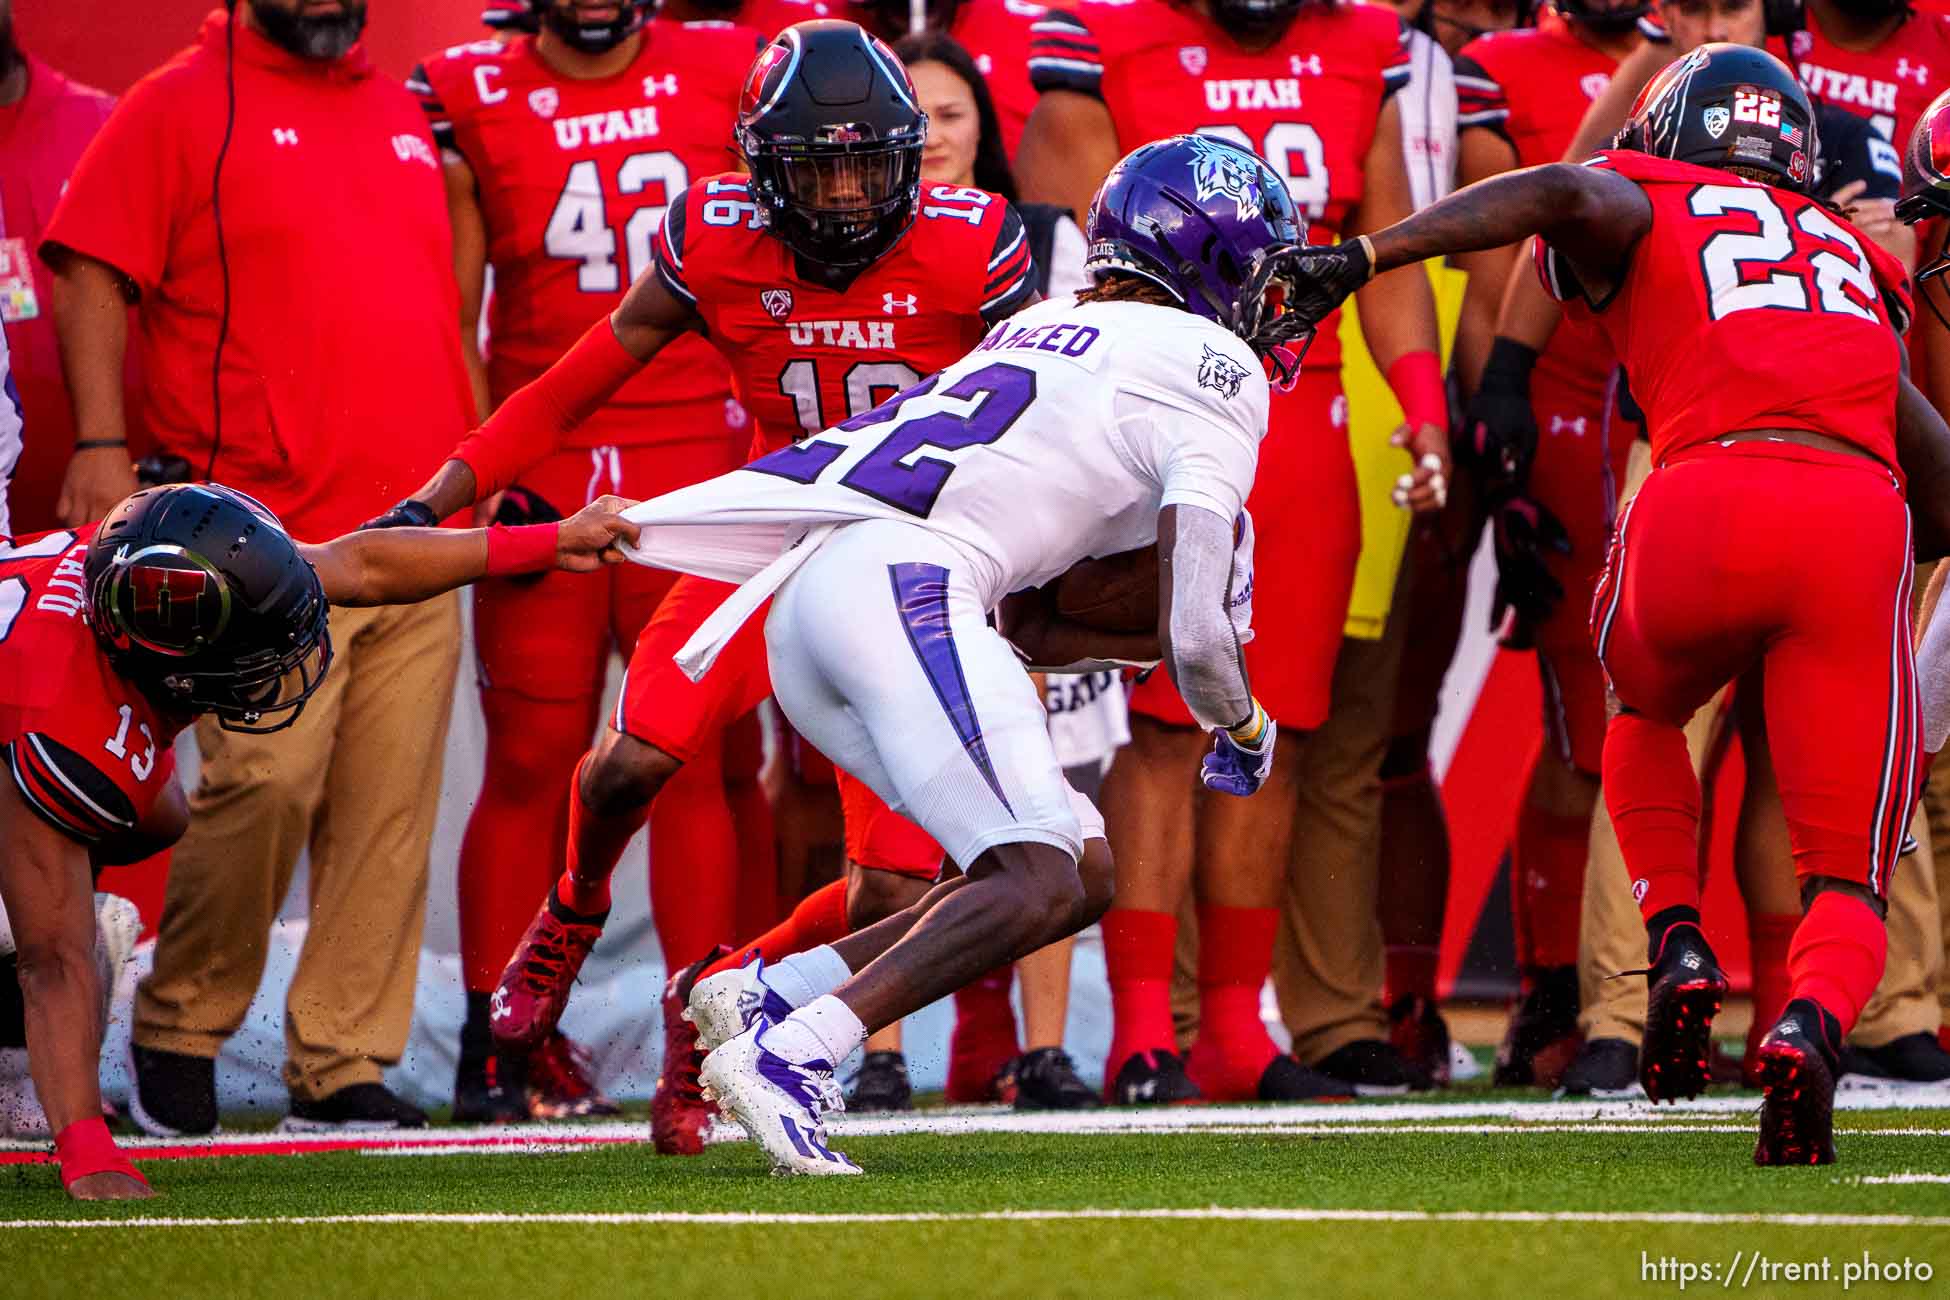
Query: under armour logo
x,y
1919,72
1561,425
1301,67
1691,961
1788,1027
498,1005
666,84
283,136
903,306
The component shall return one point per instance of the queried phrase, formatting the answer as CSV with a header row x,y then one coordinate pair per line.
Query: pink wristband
x,y
84,1147
1416,380
528,548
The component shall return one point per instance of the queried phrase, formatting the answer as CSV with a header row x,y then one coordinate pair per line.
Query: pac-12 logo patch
x,y
1192,58
1220,373
777,303
545,101
1716,120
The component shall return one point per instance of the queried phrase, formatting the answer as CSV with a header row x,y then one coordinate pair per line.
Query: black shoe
x,y
1373,1068
175,1095
1685,987
1913,1058
1605,1068
1286,1079
1797,1067
491,1089
1152,1079
1542,1036
882,1084
356,1107
1421,1035
1046,1079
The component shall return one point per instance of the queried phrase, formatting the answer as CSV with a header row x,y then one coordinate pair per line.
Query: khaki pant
x,y
1936,811
357,778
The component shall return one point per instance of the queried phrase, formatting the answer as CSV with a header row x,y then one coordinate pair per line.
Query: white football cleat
x,y
779,1104
727,1004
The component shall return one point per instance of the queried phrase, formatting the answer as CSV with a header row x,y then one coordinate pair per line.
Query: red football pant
x,y
1307,536
1716,567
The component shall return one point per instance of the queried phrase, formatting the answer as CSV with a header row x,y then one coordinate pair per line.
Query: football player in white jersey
x,y
1080,428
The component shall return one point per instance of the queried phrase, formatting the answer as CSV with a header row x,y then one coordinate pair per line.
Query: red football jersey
x,y
1749,307
805,356
1532,86
86,749
1890,85
771,17
574,177
1308,104
996,32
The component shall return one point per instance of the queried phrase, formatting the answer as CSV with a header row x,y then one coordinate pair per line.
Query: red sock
x,y
751,819
1547,866
1768,938
1235,955
1654,800
1837,955
596,845
1411,971
1138,950
513,847
819,918
984,1038
693,861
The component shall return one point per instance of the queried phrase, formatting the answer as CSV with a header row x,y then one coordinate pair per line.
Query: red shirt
x,y
1750,307
805,356
996,33
1308,105
87,750
41,136
574,177
1890,85
1532,86
342,380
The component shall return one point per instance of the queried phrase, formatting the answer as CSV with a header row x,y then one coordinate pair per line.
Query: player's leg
x,y
1763,863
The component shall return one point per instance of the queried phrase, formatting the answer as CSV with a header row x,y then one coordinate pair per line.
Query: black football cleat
x,y
355,1108
1153,1079
1542,1037
1046,1079
1797,1067
1913,1058
1371,1067
1421,1035
1286,1079
175,1094
1606,1069
1685,987
882,1084
490,1088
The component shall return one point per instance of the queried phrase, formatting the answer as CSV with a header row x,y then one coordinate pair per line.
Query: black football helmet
x,y
560,17
832,132
198,596
1728,106
1621,18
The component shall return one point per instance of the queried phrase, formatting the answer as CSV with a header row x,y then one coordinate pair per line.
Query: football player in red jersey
x,y
562,150
114,638
830,278
1670,243
1309,85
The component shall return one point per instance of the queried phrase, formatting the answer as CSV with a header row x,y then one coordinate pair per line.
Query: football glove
x,y
1499,429
1320,279
1524,533
407,514
1242,756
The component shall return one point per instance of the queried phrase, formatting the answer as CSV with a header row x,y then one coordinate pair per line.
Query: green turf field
x,y
1418,1206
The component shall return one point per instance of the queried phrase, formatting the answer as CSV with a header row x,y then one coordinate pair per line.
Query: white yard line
x,y
1209,1214
1880,1179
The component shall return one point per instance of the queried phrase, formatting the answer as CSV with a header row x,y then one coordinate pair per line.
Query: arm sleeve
x,y
1480,101
667,249
1397,65
1011,276
1207,661
67,791
1064,55
439,120
126,191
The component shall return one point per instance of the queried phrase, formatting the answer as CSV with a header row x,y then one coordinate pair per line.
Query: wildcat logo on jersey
x,y
1222,170
1192,58
545,100
1220,373
1716,120
777,303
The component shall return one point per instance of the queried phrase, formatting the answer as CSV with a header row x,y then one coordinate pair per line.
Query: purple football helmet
x,y
1210,223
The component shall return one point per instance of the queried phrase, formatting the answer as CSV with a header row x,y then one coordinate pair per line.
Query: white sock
x,y
807,975
825,1029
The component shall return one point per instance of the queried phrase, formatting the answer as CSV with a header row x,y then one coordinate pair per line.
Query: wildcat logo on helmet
x,y
1220,373
1224,169
1716,119
777,303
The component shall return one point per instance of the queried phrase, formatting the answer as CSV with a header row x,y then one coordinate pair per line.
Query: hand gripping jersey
x,y
574,179
804,355
1308,104
1059,438
86,749
1749,307
1532,86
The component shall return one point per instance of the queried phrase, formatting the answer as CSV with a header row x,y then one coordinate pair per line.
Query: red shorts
x,y
877,837
1307,538
1716,567
1579,468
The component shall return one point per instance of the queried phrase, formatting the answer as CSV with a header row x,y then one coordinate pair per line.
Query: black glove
x,y
407,514
1320,279
1499,430
1526,593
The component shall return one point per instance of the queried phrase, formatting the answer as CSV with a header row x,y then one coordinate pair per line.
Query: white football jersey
x,y
1059,437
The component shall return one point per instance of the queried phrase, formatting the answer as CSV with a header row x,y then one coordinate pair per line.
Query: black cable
x,y
223,255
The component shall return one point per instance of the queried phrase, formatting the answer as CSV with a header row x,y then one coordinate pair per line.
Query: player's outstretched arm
x,y
397,566
49,894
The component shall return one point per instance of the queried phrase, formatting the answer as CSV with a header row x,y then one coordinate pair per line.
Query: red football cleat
x,y
560,1085
534,989
679,1115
